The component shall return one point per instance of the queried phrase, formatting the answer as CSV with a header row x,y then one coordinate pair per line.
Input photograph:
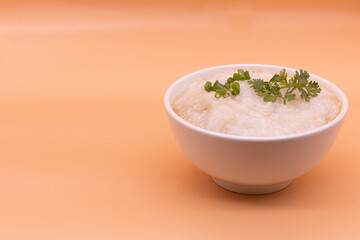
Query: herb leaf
x,y
231,85
270,90
217,86
236,88
207,86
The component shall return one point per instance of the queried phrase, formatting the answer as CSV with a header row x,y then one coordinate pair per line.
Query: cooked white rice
x,y
247,114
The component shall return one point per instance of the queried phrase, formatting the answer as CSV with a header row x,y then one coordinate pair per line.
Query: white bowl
x,y
253,165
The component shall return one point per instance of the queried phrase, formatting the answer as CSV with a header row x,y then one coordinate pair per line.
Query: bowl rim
x,y
171,90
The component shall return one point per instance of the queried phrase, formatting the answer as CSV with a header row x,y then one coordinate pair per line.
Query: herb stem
x,y
269,90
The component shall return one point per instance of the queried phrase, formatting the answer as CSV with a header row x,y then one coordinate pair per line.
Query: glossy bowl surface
x,y
253,165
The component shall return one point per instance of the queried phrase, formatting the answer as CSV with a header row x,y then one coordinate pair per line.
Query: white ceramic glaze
x,y
253,165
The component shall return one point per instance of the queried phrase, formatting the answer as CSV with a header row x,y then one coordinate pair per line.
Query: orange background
x,y
86,150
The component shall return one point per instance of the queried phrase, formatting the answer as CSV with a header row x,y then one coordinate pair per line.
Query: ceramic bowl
x,y
259,165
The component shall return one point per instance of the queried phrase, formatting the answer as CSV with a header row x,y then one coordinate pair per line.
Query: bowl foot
x,y
251,189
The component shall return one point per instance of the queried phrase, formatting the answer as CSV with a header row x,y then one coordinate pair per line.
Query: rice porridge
x,y
247,114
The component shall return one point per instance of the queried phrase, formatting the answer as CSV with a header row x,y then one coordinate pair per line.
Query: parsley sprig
x,y
270,90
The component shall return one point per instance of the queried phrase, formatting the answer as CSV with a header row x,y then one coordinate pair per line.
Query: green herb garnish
x,y
231,86
270,90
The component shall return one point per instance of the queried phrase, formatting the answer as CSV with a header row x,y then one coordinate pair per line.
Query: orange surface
x,y
86,150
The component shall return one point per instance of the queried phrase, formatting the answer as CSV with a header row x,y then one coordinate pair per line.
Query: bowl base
x,y
251,189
